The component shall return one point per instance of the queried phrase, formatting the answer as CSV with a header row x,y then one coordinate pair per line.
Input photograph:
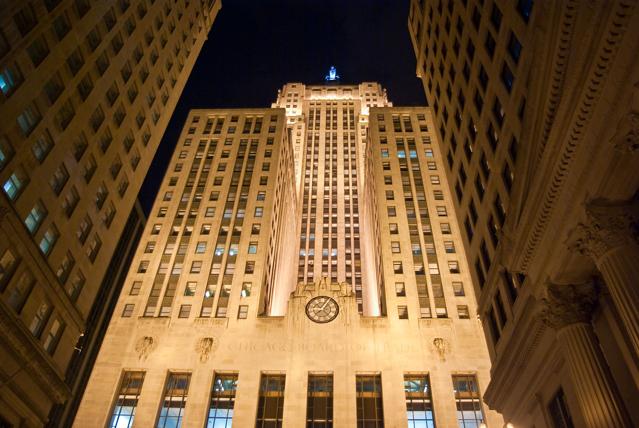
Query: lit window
x,y
49,239
174,402
468,401
252,248
200,248
13,186
246,289
127,400
222,401
35,217
419,405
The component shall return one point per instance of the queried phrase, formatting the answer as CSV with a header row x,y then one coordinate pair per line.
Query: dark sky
x,y
256,46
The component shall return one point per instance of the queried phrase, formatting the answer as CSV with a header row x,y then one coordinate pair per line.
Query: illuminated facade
x,y
301,266
87,88
535,108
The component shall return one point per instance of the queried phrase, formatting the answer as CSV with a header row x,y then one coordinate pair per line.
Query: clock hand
x,y
324,305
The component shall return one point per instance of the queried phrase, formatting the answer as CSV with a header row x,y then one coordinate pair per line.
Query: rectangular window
x,y
468,401
270,407
368,393
462,312
49,239
319,401
35,217
127,400
222,401
419,404
127,311
175,395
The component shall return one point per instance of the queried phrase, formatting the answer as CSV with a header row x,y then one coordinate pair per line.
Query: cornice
x,y
552,185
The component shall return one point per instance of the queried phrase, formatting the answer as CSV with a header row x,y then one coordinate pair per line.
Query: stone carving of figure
x,y
205,346
144,346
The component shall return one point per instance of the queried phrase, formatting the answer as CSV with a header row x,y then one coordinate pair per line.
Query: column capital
x,y
569,304
608,225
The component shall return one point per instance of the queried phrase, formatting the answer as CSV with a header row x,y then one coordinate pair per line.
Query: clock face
x,y
322,309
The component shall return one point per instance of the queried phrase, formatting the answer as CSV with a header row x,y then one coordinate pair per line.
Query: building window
x,y
419,404
53,336
222,401
270,406
462,312
559,412
402,312
35,217
246,289
453,266
135,288
395,247
458,288
14,185
400,289
368,395
242,312
319,404
185,311
49,239
127,400
8,264
252,248
175,395
468,401
40,319
127,311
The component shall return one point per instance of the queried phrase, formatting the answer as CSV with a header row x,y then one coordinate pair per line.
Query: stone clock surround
x,y
293,344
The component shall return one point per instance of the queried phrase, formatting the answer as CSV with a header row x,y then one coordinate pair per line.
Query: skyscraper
x,y
301,266
535,107
86,90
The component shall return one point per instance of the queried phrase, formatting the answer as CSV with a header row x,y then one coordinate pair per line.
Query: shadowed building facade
x,y
535,107
301,266
87,88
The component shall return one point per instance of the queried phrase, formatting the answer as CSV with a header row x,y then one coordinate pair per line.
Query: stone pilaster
x,y
610,238
568,309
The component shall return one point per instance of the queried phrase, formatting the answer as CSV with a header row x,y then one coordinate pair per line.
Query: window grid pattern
x,y
370,412
319,401
270,406
127,400
467,401
222,401
419,404
175,395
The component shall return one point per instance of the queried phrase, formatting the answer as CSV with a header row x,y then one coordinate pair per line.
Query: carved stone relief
x,y
205,346
144,346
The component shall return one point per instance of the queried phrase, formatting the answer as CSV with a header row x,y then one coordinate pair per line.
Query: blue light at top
x,y
332,74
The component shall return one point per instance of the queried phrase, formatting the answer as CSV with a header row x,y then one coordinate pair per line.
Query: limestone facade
x,y
200,304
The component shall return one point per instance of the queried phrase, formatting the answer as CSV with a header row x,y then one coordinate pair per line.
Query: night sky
x,y
256,46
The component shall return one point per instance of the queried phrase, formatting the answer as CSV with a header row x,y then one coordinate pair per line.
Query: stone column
x,y
568,309
610,238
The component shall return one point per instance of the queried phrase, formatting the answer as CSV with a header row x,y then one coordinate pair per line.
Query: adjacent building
x,y
86,90
535,110
301,266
